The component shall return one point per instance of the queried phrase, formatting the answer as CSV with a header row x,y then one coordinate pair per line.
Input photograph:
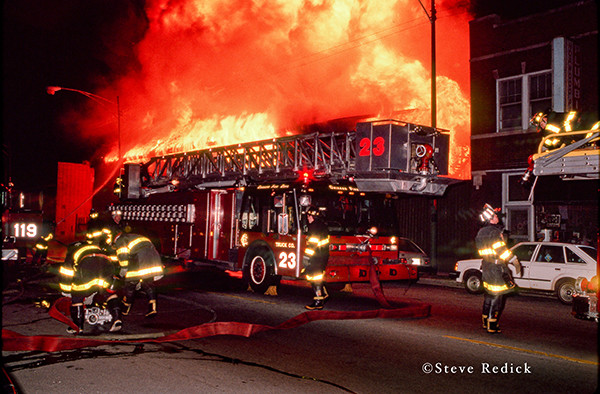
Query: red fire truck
x,y
22,222
240,208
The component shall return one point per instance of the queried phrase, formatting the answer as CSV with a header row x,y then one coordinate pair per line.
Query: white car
x,y
548,266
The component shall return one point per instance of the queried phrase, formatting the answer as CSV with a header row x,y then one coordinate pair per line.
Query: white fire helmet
x,y
487,213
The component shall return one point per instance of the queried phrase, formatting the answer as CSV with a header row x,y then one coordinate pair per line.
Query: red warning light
x,y
305,176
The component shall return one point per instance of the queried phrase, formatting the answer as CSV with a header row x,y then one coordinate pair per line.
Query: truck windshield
x,y
354,214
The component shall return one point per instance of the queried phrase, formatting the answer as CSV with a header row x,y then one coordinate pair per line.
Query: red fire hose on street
x,y
13,341
60,310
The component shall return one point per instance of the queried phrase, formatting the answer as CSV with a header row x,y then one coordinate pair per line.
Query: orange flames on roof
x,y
220,72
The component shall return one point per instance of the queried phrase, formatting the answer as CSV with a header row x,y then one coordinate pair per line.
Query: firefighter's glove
x,y
122,273
518,268
305,261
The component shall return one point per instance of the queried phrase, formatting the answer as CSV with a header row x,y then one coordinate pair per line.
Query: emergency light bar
x,y
179,213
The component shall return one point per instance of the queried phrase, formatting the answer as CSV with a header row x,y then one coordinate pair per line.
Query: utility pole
x,y
433,235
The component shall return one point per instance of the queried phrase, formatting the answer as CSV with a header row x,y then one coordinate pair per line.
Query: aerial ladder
x,y
380,156
577,159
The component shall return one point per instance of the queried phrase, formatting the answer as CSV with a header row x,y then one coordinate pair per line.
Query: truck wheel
x,y
259,271
473,283
565,288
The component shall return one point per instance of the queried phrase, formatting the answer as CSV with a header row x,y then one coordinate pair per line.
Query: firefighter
x,y
40,250
118,224
88,269
497,278
141,266
100,235
315,257
94,216
555,123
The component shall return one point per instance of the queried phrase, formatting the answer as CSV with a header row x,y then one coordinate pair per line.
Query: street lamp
x,y
99,99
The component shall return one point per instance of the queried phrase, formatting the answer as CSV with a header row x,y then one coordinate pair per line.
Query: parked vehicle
x,y
547,266
413,254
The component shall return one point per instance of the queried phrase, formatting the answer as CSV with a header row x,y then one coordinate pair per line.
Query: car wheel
x,y
565,289
259,270
473,282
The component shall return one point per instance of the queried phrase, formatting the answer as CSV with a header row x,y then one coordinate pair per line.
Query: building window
x,y
540,93
520,97
509,98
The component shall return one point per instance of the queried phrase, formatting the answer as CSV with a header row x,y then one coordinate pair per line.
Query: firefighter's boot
x,y
151,309
78,317
484,321
114,308
493,326
320,297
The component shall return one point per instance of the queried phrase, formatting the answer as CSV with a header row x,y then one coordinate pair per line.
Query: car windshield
x,y
406,245
524,251
590,251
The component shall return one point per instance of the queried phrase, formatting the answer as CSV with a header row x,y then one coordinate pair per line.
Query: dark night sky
x,y
82,44
66,43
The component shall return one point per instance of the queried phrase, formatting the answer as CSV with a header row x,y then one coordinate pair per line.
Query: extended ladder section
x,y
575,160
383,156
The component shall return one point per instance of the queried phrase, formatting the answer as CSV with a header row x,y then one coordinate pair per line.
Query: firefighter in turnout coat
x,y
40,250
315,257
497,278
88,269
141,265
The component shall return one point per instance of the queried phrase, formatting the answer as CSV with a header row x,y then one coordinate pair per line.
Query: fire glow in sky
x,y
220,72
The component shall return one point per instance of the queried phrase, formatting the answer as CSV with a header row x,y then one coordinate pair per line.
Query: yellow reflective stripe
x,y
123,250
487,252
48,238
498,244
90,284
113,258
137,241
323,242
309,252
124,263
66,272
505,255
84,249
315,277
318,242
552,128
95,234
494,288
145,271
40,246
64,287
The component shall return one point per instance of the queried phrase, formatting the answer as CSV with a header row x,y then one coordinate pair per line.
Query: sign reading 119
x,y
25,230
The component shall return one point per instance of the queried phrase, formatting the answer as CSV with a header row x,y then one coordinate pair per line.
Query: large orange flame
x,y
219,72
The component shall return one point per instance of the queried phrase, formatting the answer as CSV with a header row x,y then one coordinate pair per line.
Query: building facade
x,y
521,65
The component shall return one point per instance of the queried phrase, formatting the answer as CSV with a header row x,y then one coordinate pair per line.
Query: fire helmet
x,y
99,236
487,213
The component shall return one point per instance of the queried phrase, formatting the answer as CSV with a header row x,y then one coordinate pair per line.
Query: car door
x,y
549,263
524,252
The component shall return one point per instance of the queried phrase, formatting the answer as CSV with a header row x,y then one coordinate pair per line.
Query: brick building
x,y
522,64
